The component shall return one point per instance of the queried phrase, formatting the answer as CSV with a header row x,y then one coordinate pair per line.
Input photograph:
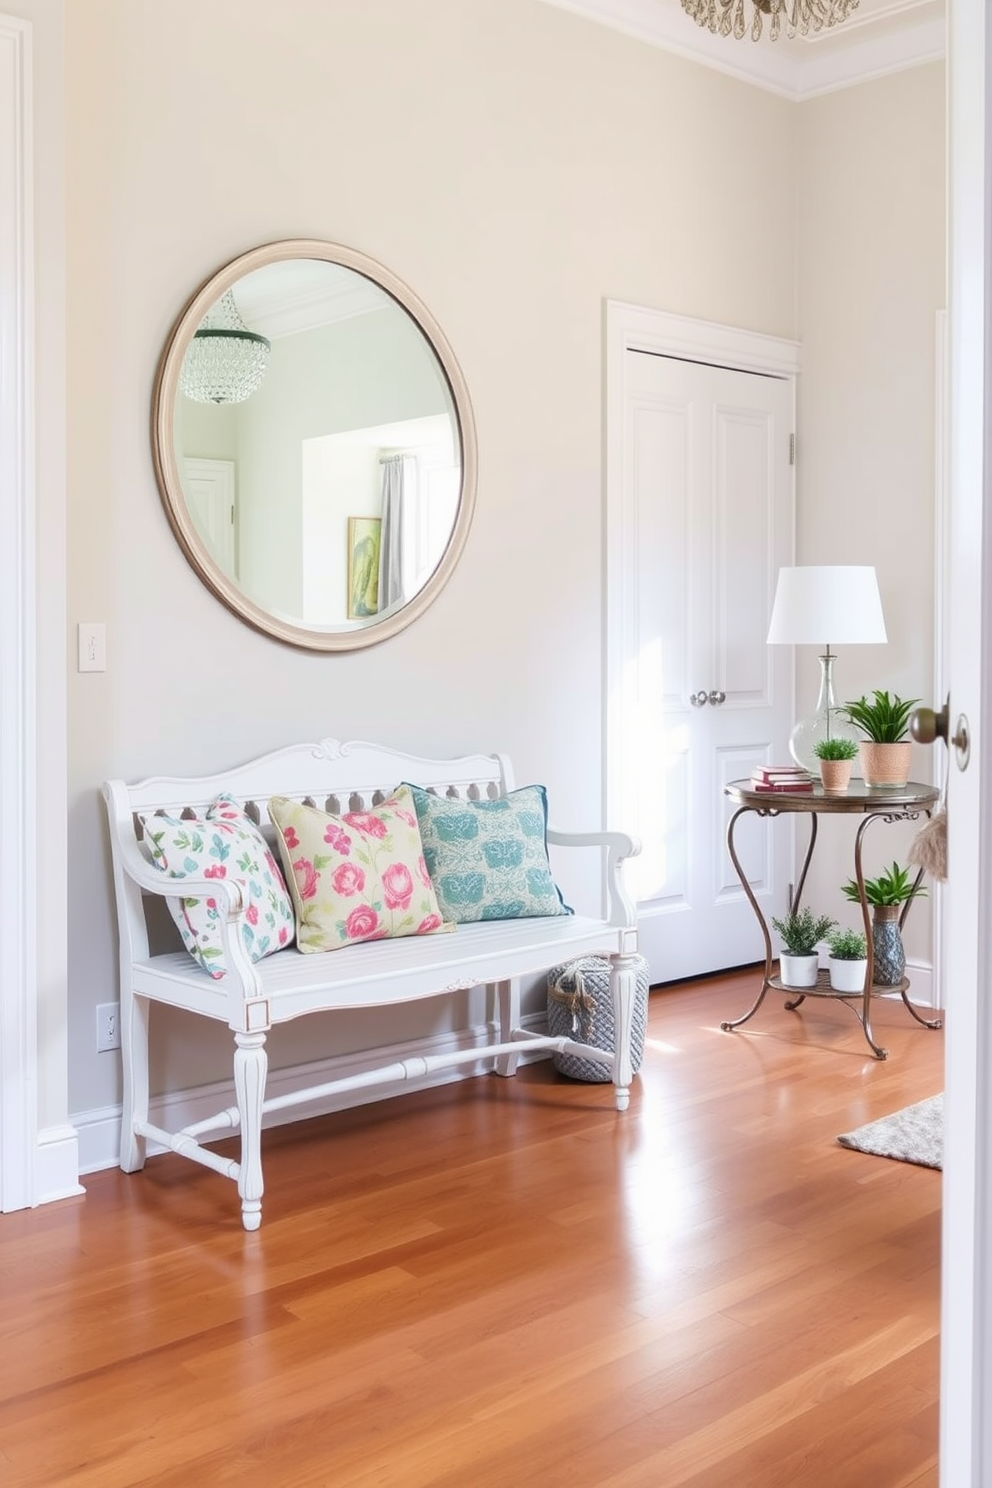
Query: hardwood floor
x,y
504,1282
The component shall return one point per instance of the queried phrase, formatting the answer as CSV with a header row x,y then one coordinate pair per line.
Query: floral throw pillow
x,y
488,860
360,876
223,844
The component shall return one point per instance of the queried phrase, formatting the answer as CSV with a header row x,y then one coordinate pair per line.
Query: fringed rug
x,y
913,1135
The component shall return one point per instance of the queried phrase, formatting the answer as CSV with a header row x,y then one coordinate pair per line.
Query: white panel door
x,y
708,494
209,489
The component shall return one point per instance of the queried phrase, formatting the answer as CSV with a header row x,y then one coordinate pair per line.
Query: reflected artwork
x,y
364,543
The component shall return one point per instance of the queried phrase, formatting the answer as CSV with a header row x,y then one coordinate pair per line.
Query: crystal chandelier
x,y
727,17
225,361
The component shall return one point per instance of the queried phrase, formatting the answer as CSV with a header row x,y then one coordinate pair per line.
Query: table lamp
x,y
813,603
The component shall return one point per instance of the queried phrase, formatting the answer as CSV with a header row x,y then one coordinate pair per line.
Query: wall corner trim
x,y
18,723
56,1166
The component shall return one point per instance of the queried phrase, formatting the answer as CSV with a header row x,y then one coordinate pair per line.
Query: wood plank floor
x,y
504,1282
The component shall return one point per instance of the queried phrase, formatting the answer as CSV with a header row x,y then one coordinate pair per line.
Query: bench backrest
x,y
333,776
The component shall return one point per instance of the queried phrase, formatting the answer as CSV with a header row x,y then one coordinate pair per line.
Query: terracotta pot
x,y
835,774
885,764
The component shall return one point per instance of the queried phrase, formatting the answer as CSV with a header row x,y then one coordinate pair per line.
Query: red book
x,y
780,772
783,788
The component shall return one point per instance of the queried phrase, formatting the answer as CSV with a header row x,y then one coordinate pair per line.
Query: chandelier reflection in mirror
x,y
225,361
728,17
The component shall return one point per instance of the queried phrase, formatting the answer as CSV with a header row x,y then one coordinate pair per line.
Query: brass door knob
x,y
927,724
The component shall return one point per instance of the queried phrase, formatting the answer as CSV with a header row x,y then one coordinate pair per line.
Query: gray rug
x,y
914,1135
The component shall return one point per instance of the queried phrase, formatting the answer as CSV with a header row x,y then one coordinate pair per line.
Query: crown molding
x,y
891,38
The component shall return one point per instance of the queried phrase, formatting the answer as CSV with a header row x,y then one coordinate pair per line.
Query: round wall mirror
x,y
314,445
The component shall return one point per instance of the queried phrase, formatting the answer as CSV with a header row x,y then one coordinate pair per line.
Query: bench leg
x,y
250,1067
508,1014
623,987
134,1062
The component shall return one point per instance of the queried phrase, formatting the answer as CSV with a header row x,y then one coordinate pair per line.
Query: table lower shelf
x,y
859,1004
824,989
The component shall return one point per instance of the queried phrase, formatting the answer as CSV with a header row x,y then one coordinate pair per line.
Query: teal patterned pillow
x,y
488,860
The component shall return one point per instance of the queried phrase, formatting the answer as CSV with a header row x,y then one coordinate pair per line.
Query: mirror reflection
x,y
323,475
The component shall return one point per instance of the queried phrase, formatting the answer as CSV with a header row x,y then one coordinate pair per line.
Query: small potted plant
x,y
836,758
886,750
801,931
848,960
887,894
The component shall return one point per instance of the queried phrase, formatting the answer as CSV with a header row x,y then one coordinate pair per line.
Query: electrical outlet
x,y
108,1026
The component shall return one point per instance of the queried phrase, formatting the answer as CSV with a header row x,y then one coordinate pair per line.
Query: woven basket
x,y
580,1007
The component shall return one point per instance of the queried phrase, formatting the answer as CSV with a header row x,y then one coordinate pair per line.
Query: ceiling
x,y
881,36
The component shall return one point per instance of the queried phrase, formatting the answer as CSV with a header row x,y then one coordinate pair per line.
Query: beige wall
x,y
871,268
516,165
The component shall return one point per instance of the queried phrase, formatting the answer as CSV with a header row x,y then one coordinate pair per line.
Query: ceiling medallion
x,y
727,17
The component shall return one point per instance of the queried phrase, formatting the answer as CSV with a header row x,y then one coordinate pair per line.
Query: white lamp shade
x,y
827,605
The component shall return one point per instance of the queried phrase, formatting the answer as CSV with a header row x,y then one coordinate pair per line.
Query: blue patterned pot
x,y
887,947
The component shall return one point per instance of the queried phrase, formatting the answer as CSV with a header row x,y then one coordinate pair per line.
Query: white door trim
x,y
18,791
942,582
639,328
966,1296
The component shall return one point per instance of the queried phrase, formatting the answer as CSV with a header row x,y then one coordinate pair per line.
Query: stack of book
x,y
789,778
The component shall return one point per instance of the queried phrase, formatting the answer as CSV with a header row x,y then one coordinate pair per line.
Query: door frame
x,y
966,1275
18,732
640,328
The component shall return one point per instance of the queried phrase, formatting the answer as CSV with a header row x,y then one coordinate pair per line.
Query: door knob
x,y
716,698
698,699
928,724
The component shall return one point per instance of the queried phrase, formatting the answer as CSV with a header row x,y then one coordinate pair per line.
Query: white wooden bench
x,y
252,998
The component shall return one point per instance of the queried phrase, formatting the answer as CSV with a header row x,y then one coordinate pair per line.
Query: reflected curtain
x,y
395,546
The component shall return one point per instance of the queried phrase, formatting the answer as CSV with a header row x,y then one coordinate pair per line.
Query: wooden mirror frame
x,y
165,391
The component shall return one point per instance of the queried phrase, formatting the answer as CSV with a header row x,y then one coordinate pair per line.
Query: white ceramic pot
x,y
798,971
847,976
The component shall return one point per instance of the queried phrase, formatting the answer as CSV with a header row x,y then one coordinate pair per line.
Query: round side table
x,y
871,804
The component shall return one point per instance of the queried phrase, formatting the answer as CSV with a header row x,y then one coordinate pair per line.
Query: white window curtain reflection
x,y
399,506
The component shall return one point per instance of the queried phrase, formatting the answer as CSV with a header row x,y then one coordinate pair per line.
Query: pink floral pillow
x,y
360,876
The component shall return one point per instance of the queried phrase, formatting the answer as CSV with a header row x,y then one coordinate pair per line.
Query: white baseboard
x,y
100,1129
921,984
56,1165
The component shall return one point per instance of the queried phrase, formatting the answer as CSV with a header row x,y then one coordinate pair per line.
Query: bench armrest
x,y
153,881
241,980
619,845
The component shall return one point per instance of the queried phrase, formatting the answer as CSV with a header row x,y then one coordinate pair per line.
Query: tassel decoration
x,y
929,846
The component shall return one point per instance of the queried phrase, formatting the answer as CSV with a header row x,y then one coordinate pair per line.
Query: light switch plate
x,y
92,636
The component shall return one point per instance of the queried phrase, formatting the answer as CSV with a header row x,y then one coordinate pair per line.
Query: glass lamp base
x,y
828,721
809,731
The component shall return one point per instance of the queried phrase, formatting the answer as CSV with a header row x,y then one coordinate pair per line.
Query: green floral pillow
x,y
488,860
225,843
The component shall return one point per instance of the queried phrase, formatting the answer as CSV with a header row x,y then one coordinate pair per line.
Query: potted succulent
x,y
887,894
848,960
836,758
801,931
886,750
